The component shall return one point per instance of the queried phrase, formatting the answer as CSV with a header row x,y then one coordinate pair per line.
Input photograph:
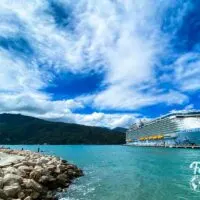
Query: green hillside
x,y
19,129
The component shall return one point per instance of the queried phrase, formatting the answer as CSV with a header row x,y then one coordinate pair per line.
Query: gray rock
x,y
1,182
10,179
35,195
49,195
29,163
39,169
51,168
10,170
62,179
44,180
1,173
30,183
18,165
21,195
35,175
27,192
28,198
3,194
25,168
12,190
57,170
16,199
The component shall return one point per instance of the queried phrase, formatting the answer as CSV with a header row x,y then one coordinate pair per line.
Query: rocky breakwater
x,y
35,176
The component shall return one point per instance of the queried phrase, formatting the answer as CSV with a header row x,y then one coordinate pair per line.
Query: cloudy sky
x,y
103,63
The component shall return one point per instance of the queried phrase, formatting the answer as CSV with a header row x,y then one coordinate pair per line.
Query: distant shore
x,y
29,175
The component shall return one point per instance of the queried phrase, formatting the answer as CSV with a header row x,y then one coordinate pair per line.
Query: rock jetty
x,y
35,176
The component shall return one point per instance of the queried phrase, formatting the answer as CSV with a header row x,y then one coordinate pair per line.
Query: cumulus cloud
x,y
126,40
189,107
119,97
96,119
18,75
107,120
187,72
36,103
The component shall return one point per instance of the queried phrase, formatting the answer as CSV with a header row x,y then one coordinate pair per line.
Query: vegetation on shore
x,y
19,129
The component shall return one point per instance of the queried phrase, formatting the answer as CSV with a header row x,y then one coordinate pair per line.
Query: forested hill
x,y
19,129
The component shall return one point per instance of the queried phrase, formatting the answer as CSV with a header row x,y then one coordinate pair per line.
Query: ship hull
x,y
185,137
190,136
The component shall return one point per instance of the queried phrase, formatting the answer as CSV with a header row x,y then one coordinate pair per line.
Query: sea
x,y
128,173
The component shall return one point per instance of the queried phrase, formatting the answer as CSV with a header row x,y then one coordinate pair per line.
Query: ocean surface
x,y
127,173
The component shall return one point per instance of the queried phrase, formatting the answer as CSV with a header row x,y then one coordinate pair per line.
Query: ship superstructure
x,y
172,129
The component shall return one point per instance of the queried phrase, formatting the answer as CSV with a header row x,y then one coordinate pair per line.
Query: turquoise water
x,y
128,173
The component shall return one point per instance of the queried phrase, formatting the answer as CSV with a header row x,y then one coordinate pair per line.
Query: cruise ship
x,y
178,128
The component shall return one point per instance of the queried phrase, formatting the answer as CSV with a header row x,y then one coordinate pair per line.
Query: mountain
x,y
120,129
20,129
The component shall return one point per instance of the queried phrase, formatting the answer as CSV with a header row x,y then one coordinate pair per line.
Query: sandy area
x,y
6,159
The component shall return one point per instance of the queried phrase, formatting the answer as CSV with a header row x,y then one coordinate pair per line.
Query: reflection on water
x,y
121,172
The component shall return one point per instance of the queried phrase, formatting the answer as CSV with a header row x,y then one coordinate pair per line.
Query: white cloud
x,y
17,75
187,72
124,39
119,97
97,119
31,103
189,107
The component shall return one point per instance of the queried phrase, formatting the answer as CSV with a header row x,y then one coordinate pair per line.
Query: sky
x,y
101,63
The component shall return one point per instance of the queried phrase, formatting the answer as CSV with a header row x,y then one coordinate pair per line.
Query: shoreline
x,y
29,175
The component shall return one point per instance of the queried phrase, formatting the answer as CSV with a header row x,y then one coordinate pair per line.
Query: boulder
x,y
49,182
42,160
44,180
1,182
35,175
10,179
25,168
70,167
27,192
18,165
70,173
35,195
49,195
1,173
10,170
31,184
21,195
3,194
12,190
78,173
64,161
51,168
62,168
39,169
28,198
29,163
57,170
62,179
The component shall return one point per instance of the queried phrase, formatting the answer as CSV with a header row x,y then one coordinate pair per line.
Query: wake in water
x,y
83,188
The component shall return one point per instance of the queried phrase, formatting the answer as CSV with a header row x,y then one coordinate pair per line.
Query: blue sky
x,y
101,63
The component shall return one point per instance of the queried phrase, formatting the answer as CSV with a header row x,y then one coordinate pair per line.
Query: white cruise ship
x,y
180,128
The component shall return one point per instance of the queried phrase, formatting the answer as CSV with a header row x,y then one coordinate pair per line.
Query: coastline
x,y
29,175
